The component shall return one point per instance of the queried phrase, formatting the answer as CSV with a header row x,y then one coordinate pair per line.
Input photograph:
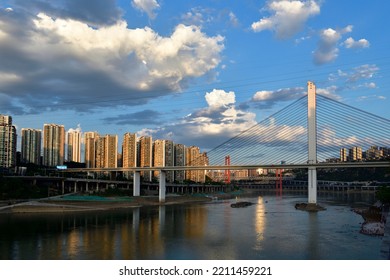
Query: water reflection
x,y
270,229
260,222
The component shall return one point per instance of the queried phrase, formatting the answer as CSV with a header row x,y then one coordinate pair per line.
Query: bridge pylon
x,y
312,142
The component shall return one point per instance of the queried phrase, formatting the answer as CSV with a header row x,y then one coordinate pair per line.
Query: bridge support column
x,y
162,186
75,187
63,186
136,184
312,180
86,186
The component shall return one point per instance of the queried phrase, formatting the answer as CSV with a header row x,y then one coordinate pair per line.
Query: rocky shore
x,y
374,219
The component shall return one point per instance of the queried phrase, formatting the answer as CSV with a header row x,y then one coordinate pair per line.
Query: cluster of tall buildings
x,y
357,154
53,147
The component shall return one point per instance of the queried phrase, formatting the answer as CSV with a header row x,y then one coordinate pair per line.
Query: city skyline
x,y
195,73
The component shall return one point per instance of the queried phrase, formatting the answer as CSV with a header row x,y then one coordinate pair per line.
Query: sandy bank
x,y
64,205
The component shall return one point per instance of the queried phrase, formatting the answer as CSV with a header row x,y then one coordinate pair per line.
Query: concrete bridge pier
x,y
137,184
75,187
312,188
63,186
162,186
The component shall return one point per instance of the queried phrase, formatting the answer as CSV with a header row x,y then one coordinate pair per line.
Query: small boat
x,y
241,204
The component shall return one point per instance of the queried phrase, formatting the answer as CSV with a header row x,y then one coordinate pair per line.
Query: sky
x,y
195,72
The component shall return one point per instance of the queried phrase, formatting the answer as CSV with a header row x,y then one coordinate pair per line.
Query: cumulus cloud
x,y
65,61
287,18
147,6
220,98
350,43
327,49
209,126
77,129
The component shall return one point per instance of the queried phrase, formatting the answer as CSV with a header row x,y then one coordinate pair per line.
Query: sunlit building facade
x,y
107,151
144,158
90,139
74,145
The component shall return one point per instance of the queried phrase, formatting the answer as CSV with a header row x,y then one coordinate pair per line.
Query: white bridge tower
x,y
312,142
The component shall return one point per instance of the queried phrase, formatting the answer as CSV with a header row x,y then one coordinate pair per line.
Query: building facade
x,y
179,160
31,146
74,145
195,158
53,144
8,138
144,159
107,151
90,139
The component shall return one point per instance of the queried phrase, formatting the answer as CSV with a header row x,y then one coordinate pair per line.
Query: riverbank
x,y
93,203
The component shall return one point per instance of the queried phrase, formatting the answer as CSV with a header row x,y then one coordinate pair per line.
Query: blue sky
x,y
196,72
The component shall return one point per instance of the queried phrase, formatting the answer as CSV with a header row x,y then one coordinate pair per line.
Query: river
x,y
271,229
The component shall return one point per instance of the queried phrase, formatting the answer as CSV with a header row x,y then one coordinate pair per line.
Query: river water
x,y
270,229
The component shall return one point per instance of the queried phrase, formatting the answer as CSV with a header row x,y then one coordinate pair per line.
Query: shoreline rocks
x,y
374,220
310,207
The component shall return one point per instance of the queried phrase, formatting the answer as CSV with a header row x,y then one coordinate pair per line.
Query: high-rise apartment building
x,y
163,155
169,159
90,139
144,149
74,145
8,139
107,151
53,144
374,153
195,158
158,155
31,145
129,150
355,154
343,154
179,160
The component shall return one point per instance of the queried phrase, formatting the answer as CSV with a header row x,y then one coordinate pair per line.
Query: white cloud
x,y
371,97
287,17
350,43
330,92
327,50
69,59
209,126
233,19
220,98
147,6
78,129
370,85
366,71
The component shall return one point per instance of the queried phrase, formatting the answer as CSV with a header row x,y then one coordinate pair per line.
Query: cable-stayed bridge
x,y
313,132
